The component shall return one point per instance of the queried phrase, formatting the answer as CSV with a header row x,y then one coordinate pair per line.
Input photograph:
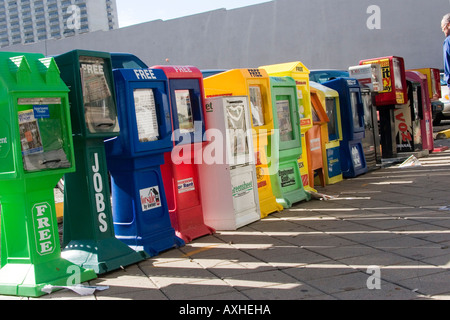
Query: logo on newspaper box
x,y
150,198
43,228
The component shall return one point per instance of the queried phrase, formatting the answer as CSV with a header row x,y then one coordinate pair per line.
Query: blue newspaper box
x,y
140,211
353,161
180,170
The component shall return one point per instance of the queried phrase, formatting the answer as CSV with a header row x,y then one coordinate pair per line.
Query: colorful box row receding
x,y
180,152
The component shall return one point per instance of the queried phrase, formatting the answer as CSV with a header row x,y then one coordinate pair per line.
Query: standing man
x,y
445,25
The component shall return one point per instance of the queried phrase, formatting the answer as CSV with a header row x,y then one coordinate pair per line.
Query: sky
x,y
132,12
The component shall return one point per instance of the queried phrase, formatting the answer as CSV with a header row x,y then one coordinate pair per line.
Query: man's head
x,y
445,24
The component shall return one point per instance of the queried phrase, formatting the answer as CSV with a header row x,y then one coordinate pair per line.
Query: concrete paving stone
x,y
388,291
435,194
321,223
423,252
408,211
123,281
232,255
444,222
371,205
309,208
225,296
147,294
432,284
419,230
366,236
224,268
343,252
199,289
350,214
313,205
293,258
442,261
385,222
407,270
343,282
431,213
399,242
231,262
327,224
174,254
242,239
179,272
260,280
226,250
322,270
274,226
431,233
417,202
322,298
380,259
294,291
318,239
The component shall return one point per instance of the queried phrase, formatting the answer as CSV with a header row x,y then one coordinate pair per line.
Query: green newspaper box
x,y
286,147
36,150
89,236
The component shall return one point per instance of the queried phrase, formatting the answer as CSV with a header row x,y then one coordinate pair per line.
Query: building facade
x,y
29,21
322,34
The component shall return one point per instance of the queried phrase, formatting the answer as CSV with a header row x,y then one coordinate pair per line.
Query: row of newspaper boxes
x,y
181,155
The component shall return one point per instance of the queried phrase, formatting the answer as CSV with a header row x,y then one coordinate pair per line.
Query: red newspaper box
x,y
180,170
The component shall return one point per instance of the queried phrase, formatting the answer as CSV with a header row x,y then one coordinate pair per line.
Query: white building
x,y
29,21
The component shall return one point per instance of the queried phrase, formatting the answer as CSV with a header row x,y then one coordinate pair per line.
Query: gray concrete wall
x,y
320,33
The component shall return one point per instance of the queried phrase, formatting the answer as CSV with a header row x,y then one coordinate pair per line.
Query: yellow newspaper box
x,y
328,99
300,73
254,83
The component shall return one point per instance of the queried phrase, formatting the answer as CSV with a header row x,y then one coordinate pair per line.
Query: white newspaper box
x,y
368,75
228,172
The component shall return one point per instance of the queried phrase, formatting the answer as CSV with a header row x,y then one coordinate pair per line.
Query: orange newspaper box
x,y
317,138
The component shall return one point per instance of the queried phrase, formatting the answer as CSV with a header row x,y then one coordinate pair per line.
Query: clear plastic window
x,y
367,103
331,113
41,134
301,108
416,104
433,84
184,109
397,75
256,106
315,116
99,107
355,113
146,117
284,120
375,74
237,129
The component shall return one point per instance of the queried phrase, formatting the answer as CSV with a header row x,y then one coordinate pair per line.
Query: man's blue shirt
x,y
447,60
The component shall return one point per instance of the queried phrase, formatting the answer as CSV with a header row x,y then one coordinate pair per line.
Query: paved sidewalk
x,y
388,230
